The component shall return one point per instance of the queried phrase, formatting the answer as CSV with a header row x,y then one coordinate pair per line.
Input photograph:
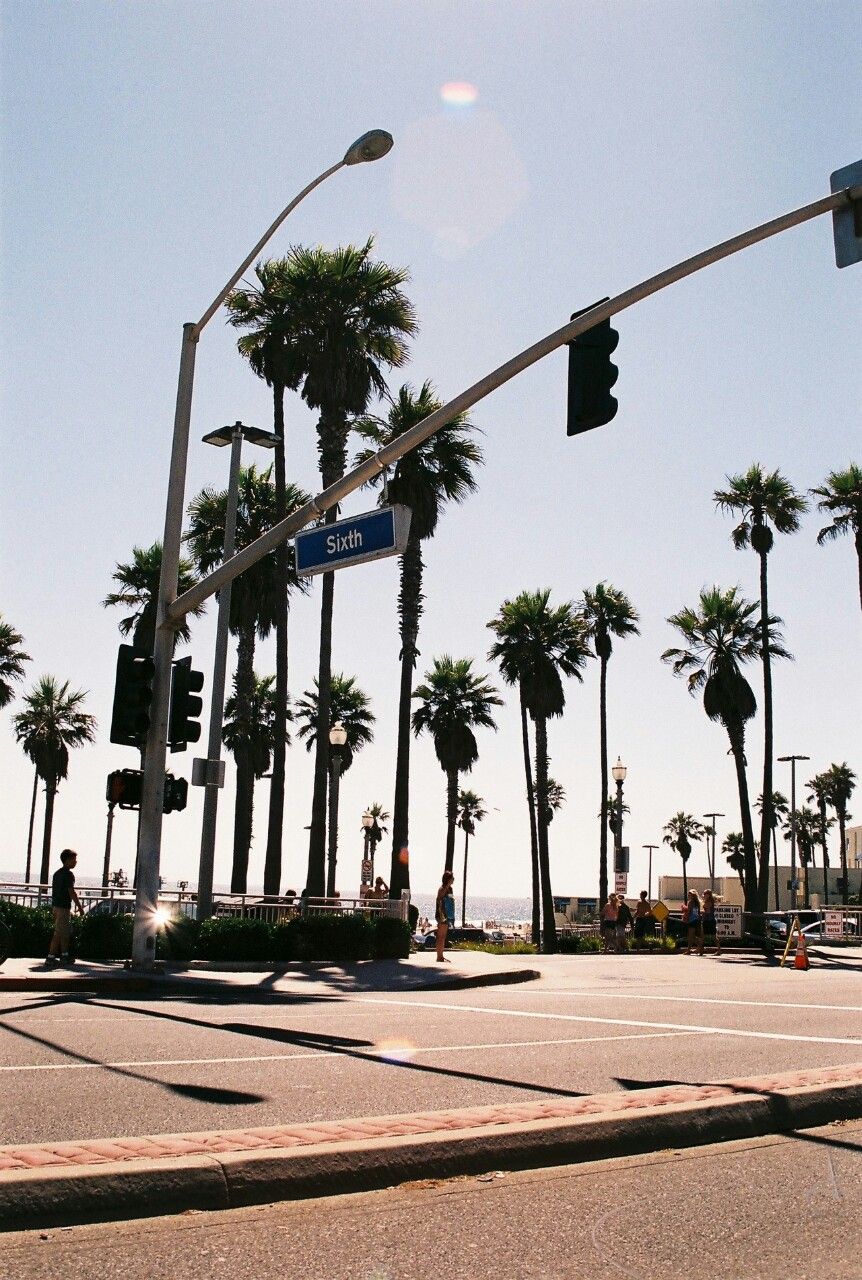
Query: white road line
x,y
373,1054
619,1022
636,995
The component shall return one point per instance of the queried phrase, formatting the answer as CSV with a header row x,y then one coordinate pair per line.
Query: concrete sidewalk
x,y
51,1183
243,980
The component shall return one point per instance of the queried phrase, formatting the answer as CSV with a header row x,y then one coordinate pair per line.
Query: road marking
x,y
371,1055
632,995
617,1022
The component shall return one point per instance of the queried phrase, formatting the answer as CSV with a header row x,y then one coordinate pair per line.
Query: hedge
x,y
336,938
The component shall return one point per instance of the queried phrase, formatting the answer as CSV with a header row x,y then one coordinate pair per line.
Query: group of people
x,y
698,917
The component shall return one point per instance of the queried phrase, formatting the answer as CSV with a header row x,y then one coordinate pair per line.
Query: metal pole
x,y
150,831
791,760
211,790
651,847
334,774
618,834
712,817
106,866
423,430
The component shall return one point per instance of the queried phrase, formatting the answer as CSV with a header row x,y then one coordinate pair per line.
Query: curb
x,y
439,1144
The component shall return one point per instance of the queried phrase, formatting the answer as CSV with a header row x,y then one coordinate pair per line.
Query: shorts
x,y
620,930
63,926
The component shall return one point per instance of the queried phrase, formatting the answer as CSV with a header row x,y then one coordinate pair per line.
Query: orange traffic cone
x,y
801,959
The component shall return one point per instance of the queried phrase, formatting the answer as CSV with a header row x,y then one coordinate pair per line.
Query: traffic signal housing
x,y
591,376
176,794
124,788
186,706
133,693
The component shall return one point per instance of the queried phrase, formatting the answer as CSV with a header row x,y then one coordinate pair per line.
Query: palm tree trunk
x,y
766,815
275,826
451,815
30,828
842,832
410,608
534,842
603,749
464,893
750,884
244,803
106,865
50,793
685,879
858,541
821,804
549,928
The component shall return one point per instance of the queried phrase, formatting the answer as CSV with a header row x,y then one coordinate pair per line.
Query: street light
x,y
337,743
367,875
791,760
213,770
618,773
368,147
711,829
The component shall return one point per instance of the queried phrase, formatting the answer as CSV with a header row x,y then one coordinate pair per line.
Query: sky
x,y
145,149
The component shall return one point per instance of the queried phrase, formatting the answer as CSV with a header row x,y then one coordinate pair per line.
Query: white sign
x,y
728,921
832,924
621,881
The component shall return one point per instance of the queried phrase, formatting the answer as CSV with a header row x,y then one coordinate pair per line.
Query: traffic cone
x,y
801,959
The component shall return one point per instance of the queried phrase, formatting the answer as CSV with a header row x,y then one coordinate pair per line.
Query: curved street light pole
x,y
371,146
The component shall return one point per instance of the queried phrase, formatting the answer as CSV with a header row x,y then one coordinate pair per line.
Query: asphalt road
x,y
769,1208
91,1066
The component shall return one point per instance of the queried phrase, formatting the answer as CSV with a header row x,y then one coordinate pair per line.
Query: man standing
x,y
62,896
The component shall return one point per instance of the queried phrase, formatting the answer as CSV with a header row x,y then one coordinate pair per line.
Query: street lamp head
x,y
619,771
254,435
337,735
371,146
367,820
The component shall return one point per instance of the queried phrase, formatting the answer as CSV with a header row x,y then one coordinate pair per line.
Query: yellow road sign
x,y
660,912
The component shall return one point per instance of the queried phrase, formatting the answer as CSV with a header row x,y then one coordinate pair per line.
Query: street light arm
x,y
423,430
217,301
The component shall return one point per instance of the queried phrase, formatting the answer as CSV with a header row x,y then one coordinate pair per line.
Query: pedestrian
x,y
624,919
693,923
643,916
444,913
62,896
708,922
609,922
381,889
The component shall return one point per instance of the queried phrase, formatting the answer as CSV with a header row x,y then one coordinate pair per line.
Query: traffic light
x,y
176,794
621,860
186,706
591,376
133,692
124,788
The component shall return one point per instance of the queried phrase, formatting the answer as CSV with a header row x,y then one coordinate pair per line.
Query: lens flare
x,y
404,856
161,917
459,93
395,1050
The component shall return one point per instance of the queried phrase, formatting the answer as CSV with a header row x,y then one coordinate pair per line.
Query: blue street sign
x,y
367,537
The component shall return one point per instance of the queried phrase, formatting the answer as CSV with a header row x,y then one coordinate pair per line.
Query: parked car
x,y
777,926
111,907
467,934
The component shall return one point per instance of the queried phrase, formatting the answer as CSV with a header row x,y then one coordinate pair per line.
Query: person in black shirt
x,y
62,896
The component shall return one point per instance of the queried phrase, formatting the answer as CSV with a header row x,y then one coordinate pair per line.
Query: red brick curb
x,y
42,1182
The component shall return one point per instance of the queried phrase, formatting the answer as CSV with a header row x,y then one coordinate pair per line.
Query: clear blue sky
x,y
146,146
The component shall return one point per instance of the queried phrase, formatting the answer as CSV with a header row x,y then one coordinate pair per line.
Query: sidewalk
x,y
47,1184
243,980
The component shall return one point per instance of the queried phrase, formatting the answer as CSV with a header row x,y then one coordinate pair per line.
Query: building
x,y
729,888
854,847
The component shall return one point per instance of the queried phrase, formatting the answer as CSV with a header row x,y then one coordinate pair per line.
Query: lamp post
x,y
337,743
371,146
652,848
618,774
791,760
711,831
367,876
213,770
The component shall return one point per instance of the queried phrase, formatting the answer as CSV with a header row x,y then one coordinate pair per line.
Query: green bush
x,y
326,937
178,940
30,928
234,938
578,943
511,948
103,937
391,940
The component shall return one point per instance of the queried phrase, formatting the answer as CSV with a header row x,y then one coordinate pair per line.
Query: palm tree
x,y
841,782
536,646
12,659
249,734
819,788
453,702
138,590
555,799
841,496
437,472
721,636
375,833
608,613
255,603
733,848
471,809
807,825
766,501
780,809
679,833
52,723
348,320
348,704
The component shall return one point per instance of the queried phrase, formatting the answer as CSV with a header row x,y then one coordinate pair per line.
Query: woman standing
x,y
444,913
710,932
609,923
693,923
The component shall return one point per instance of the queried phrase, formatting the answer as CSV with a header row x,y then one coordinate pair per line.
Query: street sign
x,y
728,921
621,881
660,912
847,221
832,924
369,536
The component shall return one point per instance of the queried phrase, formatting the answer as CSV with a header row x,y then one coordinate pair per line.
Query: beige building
x,y
854,846
730,890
